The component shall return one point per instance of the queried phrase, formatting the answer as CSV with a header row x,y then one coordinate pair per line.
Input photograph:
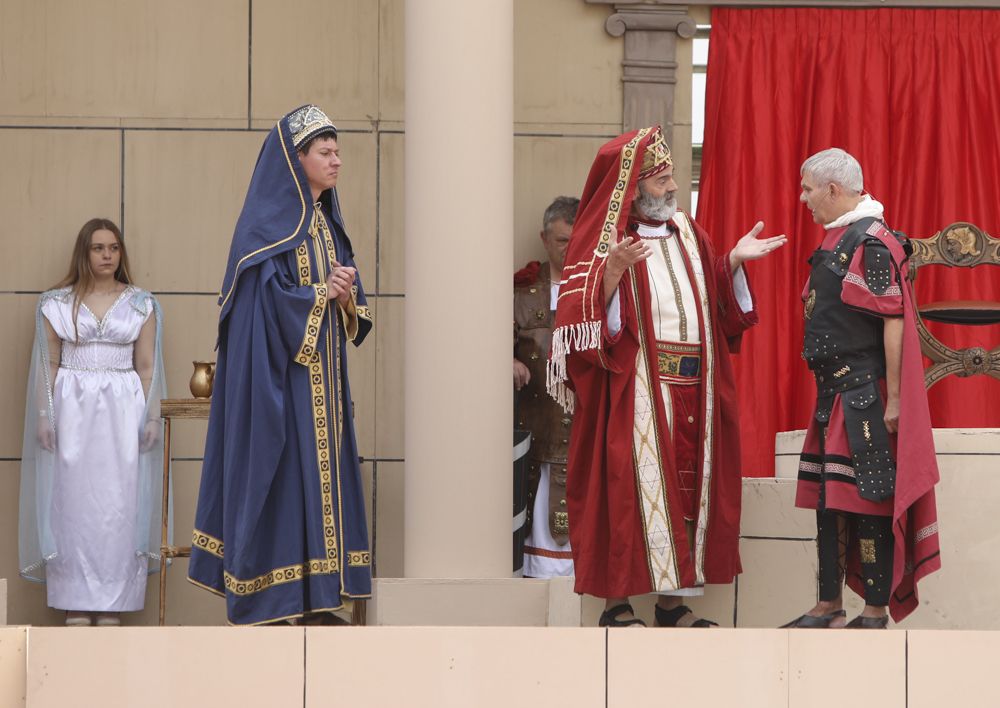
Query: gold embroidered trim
x,y
320,399
209,544
364,313
305,271
678,297
359,558
313,324
324,232
677,347
279,576
609,230
323,455
647,461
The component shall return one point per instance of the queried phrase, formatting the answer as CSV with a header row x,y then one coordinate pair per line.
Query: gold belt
x,y
678,362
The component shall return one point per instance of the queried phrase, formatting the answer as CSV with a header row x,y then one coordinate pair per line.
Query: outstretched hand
x,y
750,248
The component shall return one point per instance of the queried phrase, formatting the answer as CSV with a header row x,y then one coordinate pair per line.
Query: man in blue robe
x,y
280,527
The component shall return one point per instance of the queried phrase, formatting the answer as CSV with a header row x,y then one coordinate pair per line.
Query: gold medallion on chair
x,y
810,304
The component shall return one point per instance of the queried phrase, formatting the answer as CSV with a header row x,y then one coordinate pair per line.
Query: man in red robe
x,y
647,317
868,466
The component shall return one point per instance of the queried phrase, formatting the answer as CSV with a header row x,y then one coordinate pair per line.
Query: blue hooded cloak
x,y
280,526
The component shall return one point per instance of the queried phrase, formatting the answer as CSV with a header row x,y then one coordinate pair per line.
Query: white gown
x,y
98,404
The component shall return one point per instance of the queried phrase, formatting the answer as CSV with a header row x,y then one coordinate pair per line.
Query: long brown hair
x,y
80,277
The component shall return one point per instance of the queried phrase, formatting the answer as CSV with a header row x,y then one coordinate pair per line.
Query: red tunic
x,y
619,549
915,528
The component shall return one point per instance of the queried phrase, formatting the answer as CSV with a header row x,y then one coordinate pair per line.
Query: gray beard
x,y
662,209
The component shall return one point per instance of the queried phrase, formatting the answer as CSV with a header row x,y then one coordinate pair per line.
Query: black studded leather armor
x,y
834,332
843,347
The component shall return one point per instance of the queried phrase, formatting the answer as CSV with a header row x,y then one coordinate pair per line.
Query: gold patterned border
x,y
359,558
280,576
313,324
609,230
209,544
658,532
362,311
676,285
305,271
320,422
334,372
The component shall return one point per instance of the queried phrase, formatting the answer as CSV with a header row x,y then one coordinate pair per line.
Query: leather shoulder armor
x,y
878,266
840,257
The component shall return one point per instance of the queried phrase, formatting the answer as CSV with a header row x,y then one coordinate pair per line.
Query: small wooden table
x,y
171,408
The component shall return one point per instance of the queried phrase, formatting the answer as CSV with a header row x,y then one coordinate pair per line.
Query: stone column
x,y
459,204
649,67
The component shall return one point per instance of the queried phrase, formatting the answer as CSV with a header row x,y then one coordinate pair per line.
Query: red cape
x,y
917,550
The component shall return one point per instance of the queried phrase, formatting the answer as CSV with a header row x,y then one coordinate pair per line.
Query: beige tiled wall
x,y
153,114
119,62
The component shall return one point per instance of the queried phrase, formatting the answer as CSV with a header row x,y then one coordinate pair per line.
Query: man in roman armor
x,y
868,466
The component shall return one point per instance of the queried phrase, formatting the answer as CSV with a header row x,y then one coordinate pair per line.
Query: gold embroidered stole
x,y
648,447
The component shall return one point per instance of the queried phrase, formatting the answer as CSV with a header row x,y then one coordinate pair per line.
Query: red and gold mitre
x,y
657,156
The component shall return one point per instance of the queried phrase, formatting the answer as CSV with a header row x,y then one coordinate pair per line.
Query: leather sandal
x,y
672,618
609,618
814,622
862,622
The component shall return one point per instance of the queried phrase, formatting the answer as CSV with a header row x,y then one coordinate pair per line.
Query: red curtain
x,y
915,96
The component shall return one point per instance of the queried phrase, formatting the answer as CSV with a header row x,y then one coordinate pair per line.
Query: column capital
x,y
651,30
652,15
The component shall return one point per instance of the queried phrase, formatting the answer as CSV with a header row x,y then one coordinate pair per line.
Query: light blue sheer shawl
x,y
37,544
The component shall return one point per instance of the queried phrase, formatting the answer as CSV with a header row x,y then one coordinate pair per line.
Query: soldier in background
x,y
536,288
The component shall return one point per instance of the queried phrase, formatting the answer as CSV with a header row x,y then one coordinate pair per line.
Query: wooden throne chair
x,y
959,245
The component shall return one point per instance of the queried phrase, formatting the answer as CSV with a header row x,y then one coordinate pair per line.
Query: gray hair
x,y
561,208
836,166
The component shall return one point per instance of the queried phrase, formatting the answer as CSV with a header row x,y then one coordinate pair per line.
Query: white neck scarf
x,y
866,207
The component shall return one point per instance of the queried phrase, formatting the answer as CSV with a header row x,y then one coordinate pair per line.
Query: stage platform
x,y
483,667
943,654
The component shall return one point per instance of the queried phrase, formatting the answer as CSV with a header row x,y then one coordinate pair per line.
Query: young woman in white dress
x,y
90,496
